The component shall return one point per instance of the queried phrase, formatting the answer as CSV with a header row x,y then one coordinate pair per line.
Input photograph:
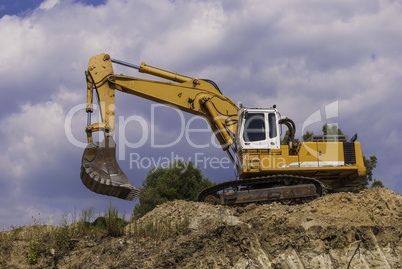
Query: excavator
x,y
268,170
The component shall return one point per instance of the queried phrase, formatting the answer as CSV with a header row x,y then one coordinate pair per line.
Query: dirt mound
x,y
198,216
367,208
377,206
335,231
322,233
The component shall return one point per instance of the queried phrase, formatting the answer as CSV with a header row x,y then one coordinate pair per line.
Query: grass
x,y
5,247
52,243
114,224
47,245
33,251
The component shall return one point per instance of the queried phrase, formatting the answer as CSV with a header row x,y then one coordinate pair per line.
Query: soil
x,y
341,230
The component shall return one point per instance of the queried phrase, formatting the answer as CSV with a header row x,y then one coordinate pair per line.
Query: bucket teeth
x,y
101,173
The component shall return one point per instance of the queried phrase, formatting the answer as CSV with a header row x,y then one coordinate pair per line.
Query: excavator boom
x,y
100,171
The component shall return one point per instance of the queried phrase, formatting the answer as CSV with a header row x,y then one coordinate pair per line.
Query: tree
x,y
307,135
377,184
180,180
285,139
333,130
370,164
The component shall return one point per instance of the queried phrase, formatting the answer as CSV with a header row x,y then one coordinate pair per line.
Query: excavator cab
x,y
258,129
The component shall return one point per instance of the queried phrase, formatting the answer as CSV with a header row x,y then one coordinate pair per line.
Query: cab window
x,y
272,125
254,127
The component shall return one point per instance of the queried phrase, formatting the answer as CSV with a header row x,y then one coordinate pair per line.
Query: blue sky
x,y
301,56
24,8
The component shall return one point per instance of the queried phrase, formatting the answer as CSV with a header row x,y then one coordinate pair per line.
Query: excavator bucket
x,y
101,173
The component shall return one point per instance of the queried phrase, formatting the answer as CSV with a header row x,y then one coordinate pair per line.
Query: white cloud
x,y
48,4
30,139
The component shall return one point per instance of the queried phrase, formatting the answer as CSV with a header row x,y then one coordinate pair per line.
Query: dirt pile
x,y
335,231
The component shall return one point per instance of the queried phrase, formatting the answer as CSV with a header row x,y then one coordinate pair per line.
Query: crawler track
x,y
265,182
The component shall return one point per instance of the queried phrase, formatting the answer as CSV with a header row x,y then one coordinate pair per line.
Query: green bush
x,y
114,224
179,181
33,251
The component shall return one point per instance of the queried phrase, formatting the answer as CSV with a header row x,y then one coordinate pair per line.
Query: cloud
x,y
300,56
48,4
34,144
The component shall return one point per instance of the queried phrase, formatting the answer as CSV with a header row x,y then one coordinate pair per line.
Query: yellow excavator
x,y
297,172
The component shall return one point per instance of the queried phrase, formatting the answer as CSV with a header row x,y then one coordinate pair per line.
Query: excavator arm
x,y
100,171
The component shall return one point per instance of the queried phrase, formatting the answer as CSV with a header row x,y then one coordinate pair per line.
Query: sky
x,y
303,56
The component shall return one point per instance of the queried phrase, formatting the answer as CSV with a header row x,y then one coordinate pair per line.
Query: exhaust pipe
x,y
101,173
